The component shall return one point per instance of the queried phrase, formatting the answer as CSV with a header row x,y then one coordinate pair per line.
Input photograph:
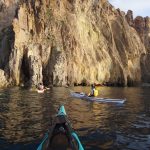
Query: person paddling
x,y
94,92
40,86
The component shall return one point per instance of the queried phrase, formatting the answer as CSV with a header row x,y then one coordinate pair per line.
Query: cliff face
x,y
7,12
73,42
142,26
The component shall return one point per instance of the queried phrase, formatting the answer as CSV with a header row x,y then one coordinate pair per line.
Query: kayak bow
x,y
61,136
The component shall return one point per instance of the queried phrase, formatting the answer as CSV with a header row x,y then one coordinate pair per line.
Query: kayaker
x,y
94,92
40,86
61,135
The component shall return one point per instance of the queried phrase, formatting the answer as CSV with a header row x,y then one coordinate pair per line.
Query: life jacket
x,y
95,93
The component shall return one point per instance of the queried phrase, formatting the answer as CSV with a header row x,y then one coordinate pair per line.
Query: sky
x,y
139,7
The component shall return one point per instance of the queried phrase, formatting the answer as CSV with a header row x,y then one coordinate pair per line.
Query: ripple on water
x,y
25,117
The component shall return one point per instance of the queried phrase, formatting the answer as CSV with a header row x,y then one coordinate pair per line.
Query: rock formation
x,y
129,17
72,42
7,12
4,82
142,26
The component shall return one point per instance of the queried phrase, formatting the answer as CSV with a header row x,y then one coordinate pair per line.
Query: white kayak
x,y
41,91
97,99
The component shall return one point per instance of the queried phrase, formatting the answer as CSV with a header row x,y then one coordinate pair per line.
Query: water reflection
x,y
25,116
21,115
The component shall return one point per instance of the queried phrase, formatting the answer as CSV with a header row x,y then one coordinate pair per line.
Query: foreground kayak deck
x,y
61,136
97,99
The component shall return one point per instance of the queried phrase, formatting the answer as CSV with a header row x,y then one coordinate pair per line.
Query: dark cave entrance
x,y
25,72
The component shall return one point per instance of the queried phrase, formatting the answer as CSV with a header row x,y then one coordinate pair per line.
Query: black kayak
x,y
60,136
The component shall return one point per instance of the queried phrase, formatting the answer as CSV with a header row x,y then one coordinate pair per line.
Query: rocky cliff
x,y
142,26
71,42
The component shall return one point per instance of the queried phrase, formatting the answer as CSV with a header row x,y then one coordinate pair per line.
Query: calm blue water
x,y
25,116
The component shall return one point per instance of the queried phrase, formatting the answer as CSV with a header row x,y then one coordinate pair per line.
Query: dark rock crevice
x,y
25,73
6,44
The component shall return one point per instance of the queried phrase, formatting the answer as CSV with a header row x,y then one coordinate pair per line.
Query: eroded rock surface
x,y
142,26
74,42
4,81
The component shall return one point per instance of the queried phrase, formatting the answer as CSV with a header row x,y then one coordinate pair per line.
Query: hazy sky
x,y
139,7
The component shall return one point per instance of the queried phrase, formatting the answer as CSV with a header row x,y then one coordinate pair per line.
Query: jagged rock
x,y
57,74
15,62
35,64
35,70
3,82
129,17
142,26
145,63
76,42
6,44
7,12
147,34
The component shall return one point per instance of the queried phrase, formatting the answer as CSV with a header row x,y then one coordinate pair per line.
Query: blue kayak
x,y
61,136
